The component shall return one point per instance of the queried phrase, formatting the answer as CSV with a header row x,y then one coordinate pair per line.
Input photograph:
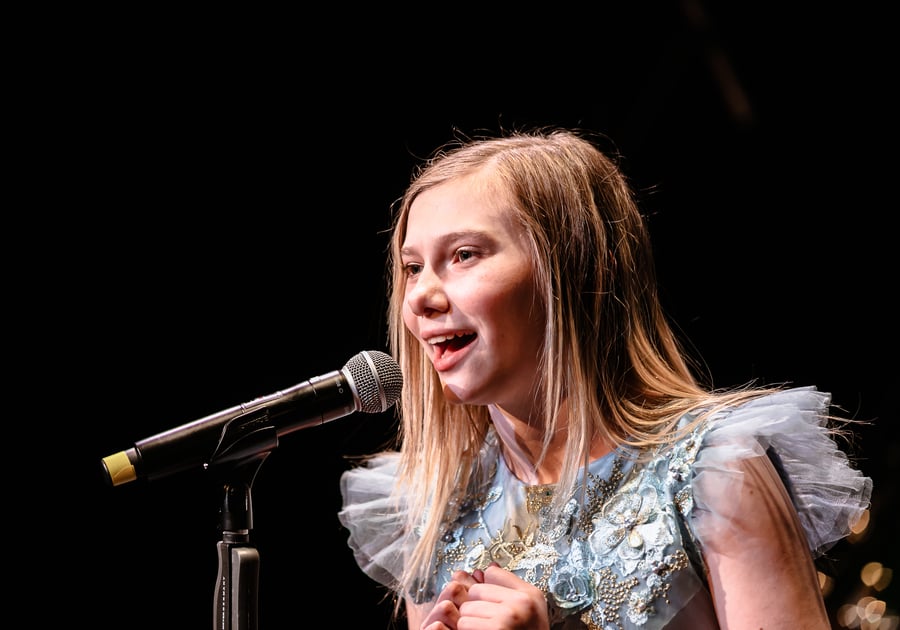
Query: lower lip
x,y
449,360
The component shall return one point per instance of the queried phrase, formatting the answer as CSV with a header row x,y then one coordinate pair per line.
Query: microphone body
x,y
370,382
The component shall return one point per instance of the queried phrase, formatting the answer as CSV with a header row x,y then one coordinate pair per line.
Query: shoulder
x,y
374,518
790,430
772,413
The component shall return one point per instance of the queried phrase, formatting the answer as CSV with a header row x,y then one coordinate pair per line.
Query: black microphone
x,y
369,382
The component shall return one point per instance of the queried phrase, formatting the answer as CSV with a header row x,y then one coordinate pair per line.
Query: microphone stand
x,y
236,593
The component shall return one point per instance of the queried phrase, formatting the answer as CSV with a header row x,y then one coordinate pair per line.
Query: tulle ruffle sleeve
x,y
790,428
373,519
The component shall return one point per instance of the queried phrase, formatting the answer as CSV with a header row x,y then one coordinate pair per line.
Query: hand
x,y
493,599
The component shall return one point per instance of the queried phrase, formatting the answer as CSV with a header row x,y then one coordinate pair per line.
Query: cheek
x,y
526,296
518,311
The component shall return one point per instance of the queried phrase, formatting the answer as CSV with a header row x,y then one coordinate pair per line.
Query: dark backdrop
x,y
233,177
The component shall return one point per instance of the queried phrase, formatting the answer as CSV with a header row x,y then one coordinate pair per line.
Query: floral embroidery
x,y
572,589
625,524
607,560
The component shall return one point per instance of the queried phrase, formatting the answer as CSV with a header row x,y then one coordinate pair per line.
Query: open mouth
x,y
450,343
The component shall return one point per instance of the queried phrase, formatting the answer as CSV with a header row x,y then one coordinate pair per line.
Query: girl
x,y
560,464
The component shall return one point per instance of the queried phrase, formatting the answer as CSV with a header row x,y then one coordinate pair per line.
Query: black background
x,y
227,181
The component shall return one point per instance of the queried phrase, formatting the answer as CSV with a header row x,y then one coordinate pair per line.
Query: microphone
x,y
369,382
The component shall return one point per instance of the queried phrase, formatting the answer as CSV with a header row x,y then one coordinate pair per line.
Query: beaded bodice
x,y
610,557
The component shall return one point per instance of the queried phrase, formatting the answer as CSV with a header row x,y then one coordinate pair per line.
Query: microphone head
x,y
376,378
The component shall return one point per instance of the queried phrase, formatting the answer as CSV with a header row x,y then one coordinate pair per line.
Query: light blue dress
x,y
626,554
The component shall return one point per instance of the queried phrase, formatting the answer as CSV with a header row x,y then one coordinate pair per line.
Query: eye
x,y
464,254
412,269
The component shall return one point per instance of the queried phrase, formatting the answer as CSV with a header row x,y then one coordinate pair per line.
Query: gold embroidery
x,y
612,593
630,587
537,497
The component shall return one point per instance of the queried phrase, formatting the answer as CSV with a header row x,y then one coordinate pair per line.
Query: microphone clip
x,y
244,438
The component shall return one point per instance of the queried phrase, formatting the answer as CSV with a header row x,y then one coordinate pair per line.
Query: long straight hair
x,y
609,353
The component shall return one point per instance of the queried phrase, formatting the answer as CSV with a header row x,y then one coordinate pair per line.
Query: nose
x,y
426,296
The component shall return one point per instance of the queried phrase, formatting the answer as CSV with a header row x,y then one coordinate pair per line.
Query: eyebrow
x,y
451,237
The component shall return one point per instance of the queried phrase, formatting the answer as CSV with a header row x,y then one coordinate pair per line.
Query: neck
x,y
521,443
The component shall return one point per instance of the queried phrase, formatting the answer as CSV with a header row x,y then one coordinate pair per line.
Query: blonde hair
x,y
609,351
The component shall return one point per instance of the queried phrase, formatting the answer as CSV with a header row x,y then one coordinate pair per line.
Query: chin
x,y
453,394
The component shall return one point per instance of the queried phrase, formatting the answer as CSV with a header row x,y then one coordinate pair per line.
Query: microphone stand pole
x,y
236,593
236,597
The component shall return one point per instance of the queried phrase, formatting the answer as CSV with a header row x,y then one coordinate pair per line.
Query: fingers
x,y
454,593
493,574
465,579
478,574
492,597
506,601
445,614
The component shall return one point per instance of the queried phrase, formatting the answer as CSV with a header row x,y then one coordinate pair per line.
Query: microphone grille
x,y
377,378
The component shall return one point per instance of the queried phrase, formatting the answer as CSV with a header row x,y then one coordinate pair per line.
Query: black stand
x,y
236,597
236,594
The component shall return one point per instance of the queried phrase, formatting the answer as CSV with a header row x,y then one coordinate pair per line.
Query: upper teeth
x,y
442,338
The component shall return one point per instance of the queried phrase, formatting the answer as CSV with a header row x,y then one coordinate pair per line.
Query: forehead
x,y
475,200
